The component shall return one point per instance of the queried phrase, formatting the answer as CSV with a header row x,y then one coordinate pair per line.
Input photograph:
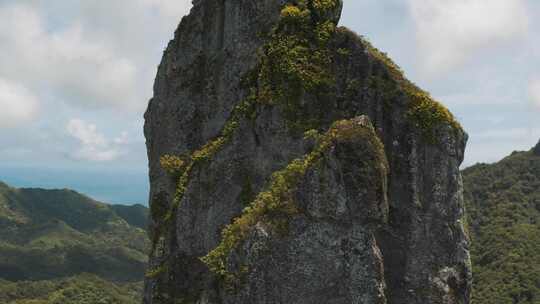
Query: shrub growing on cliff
x,y
276,206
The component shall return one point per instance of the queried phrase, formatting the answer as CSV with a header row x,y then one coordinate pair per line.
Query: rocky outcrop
x,y
292,162
536,149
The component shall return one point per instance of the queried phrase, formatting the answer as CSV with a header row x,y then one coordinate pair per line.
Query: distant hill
x,y
136,215
503,201
62,238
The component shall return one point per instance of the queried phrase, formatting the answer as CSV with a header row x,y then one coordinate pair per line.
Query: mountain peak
x,y
254,154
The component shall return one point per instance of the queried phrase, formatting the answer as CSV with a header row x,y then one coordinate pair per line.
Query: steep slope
x,y
51,235
292,162
503,201
135,215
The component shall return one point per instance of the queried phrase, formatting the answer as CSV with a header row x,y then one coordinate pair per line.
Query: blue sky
x,y
75,78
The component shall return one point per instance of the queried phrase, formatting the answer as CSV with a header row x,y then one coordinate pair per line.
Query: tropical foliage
x,y
58,246
503,202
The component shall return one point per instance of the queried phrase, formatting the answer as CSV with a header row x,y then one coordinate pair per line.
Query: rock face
x,y
292,162
536,149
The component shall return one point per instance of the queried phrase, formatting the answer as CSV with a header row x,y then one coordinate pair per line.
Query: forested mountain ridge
x,y
503,206
59,241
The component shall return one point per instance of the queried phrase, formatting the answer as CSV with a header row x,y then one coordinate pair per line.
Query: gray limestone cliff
x,y
292,162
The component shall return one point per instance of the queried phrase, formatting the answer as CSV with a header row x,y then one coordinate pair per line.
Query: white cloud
x,y
490,145
534,92
83,72
123,139
94,146
169,8
90,59
17,104
506,134
94,54
493,92
449,32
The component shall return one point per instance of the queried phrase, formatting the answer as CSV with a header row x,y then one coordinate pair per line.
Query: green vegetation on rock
x,y
294,73
275,206
180,169
295,60
503,206
427,113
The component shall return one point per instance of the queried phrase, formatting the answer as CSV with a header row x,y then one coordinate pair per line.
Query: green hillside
x,y
58,246
503,202
57,243
80,289
136,215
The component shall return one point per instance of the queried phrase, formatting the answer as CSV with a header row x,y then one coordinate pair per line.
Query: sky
x,y
76,76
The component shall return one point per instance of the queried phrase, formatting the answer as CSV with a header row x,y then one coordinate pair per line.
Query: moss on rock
x,y
276,206
293,61
424,111
296,60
